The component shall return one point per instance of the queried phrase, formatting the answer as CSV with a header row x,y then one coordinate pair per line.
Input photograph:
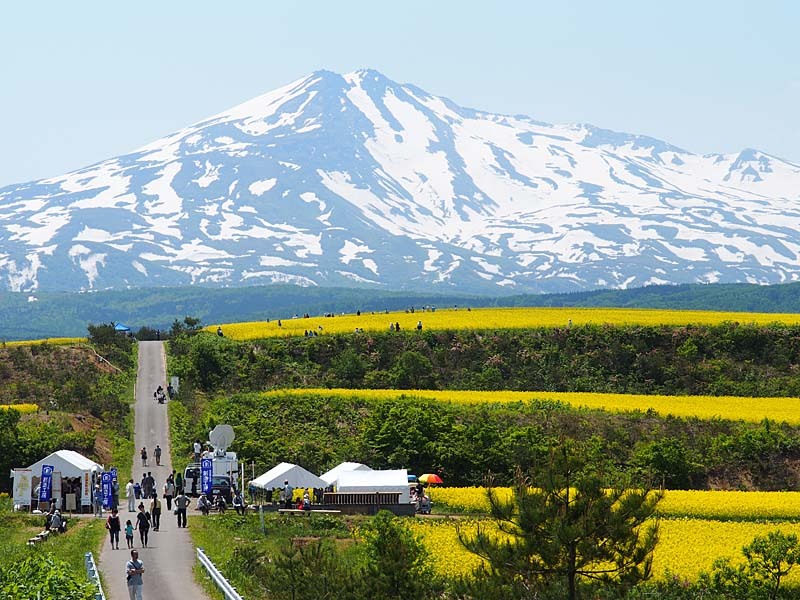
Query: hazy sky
x,y
84,81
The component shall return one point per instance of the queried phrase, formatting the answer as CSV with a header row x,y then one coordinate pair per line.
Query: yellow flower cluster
x,y
703,407
63,341
494,318
731,506
686,546
716,505
447,553
23,408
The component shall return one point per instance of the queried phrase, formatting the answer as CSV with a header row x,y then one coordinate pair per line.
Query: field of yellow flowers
x,y
703,407
23,408
686,546
64,341
696,527
493,318
715,505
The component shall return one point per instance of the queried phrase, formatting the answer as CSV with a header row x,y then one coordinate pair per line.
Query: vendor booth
x,y
67,476
331,476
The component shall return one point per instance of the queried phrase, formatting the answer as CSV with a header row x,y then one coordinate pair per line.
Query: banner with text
x,y
22,487
46,483
105,480
206,470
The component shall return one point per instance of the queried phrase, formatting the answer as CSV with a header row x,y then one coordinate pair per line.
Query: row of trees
x,y
464,442
727,359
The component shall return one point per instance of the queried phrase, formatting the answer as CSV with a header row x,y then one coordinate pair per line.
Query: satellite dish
x,y
221,437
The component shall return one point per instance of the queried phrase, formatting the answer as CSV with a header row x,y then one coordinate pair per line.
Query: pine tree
x,y
564,527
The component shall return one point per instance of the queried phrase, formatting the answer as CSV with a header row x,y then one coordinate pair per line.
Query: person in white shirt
x,y
198,448
130,495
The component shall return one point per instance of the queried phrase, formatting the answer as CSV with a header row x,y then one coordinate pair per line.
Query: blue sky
x,y
84,81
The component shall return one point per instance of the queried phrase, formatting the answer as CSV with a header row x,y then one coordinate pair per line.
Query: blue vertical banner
x,y
113,473
106,489
46,483
206,470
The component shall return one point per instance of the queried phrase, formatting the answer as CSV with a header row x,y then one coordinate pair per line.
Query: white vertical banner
x,y
22,486
57,489
86,489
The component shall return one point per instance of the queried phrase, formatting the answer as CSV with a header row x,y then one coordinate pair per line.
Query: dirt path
x,y
170,555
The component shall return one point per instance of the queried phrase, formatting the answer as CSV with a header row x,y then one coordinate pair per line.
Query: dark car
x,y
221,486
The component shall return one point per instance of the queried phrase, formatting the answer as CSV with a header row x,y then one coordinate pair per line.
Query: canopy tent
x,y
69,465
296,475
67,462
331,476
375,481
121,327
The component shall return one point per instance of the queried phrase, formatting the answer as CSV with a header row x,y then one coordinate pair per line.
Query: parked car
x,y
221,485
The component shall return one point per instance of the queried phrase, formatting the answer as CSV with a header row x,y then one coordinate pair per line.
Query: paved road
x,y
169,556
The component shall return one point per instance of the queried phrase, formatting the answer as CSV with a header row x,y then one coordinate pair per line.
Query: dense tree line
x,y
727,359
465,442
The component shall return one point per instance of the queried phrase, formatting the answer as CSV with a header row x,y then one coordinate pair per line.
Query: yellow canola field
x,y
495,318
64,341
686,546
717,505
703,407
23,408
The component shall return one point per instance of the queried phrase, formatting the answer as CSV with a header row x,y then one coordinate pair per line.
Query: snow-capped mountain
x,y
355,179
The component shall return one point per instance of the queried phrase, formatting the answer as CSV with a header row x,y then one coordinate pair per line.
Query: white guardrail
x,y
227,589
94,576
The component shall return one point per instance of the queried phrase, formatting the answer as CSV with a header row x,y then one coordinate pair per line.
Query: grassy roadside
x,y
83,535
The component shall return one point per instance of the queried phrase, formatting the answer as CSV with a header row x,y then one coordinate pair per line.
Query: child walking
x,y
129,533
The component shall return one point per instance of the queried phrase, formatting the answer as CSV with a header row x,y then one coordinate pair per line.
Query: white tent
x,y
365,482
67,462
331,476
296,475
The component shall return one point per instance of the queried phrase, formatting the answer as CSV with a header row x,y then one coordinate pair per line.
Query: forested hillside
x,y
221,378
726,359
81,401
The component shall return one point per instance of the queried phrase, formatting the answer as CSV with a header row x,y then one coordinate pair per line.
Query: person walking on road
x,y
143,524
181,502
143,454
130,494
169,492
113,525
155,511
134,569
157,454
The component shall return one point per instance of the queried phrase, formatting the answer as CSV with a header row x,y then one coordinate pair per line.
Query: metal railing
x,y
227,589
94,576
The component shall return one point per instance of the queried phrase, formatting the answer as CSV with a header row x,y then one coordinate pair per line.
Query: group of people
x,y
421,500
54,522
284,497
396,326
156,455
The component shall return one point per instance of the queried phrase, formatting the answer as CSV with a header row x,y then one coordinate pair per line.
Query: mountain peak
x,y
357,180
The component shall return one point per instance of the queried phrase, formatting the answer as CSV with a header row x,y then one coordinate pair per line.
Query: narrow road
x,y
170,555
